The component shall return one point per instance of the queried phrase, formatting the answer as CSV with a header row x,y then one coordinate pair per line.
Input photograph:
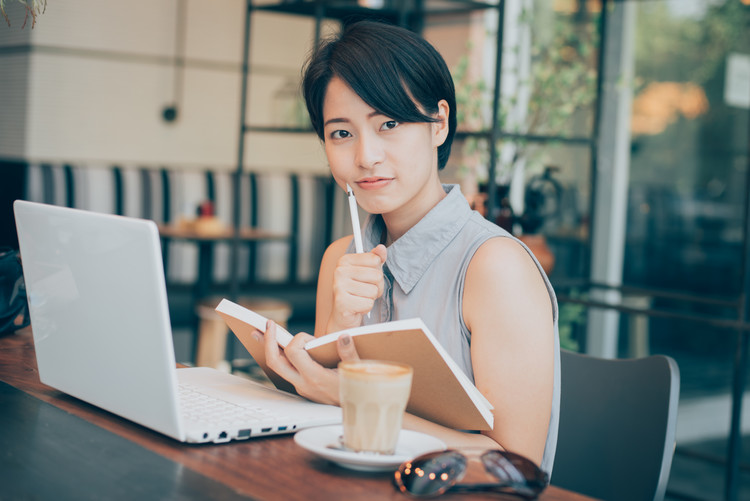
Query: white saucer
x,y
324,442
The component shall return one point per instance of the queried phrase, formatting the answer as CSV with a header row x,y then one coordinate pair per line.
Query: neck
x,y
398,222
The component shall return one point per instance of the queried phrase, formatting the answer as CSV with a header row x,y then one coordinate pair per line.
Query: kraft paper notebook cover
x,y
441,392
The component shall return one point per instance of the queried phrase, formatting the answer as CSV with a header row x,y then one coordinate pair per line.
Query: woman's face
x,y
391,166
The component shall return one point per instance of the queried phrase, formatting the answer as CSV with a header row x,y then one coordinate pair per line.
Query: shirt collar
x,y
410,256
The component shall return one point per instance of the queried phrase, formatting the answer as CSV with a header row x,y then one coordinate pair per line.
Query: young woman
x,y
382,101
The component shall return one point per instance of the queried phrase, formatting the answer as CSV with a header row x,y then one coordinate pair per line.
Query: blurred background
x,y
613,137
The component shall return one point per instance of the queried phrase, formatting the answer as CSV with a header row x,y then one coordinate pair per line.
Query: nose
x,y
370,151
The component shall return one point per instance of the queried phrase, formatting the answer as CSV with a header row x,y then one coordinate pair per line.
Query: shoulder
x,y
503,273
336,250
502,254
338,247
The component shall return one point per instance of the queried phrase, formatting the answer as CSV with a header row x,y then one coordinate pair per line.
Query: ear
x,y
440,128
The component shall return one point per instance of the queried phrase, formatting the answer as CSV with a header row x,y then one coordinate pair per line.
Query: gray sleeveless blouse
x,y
424,277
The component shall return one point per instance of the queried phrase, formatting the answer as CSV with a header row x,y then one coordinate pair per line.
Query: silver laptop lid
x,y
98,306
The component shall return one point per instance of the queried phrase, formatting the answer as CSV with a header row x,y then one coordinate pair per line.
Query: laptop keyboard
x,y
211,411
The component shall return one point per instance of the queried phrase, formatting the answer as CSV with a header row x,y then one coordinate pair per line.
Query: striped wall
x,y
308,206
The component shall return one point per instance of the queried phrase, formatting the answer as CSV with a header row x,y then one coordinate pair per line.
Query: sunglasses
x,y
435,473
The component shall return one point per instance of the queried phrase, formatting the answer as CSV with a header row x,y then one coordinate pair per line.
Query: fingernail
x,y
346,339
256,335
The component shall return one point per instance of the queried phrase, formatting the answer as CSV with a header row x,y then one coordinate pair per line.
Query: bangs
x,y
393,70
383,82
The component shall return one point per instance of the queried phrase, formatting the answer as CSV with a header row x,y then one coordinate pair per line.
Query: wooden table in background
x,y
206,241
141,464
208,348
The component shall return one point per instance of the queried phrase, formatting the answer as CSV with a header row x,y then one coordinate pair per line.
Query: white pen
x,y
355,220
355,224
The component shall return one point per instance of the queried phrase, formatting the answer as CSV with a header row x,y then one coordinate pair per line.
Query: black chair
x,y
617,426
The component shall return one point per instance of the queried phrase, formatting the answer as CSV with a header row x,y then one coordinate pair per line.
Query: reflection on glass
x,y
689,148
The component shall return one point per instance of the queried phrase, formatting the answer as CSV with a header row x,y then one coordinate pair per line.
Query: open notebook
x,y
99,316
440,392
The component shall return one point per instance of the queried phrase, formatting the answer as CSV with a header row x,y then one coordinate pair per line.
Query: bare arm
x,y
324,294
507,308
454,439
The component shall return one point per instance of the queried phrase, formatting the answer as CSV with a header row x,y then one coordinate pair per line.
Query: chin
x,y
377,208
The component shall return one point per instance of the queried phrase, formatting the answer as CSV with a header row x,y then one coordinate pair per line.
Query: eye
x,y
390,124
339,134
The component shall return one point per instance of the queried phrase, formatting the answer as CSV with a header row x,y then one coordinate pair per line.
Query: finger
x,y
367,290
362,290
275,358
297,355
270,345
316,381
349,292
352,273
346,348
381,252
365,284
352,304
366,259
300,340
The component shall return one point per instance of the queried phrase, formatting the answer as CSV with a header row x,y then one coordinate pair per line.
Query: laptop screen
x,y
98,306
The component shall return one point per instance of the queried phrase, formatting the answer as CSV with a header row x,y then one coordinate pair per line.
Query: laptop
x,y
99,317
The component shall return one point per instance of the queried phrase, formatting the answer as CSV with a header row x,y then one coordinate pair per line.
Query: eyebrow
x,y
346,120
335,121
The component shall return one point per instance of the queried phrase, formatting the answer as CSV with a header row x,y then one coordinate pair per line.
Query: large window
x,y
688,192
682,120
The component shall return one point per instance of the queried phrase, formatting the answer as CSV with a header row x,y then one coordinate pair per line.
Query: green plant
x,y
470,103
570,317
688,49
32,7
561,83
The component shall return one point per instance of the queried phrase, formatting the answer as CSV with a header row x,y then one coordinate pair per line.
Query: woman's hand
x,y
357,283
293,363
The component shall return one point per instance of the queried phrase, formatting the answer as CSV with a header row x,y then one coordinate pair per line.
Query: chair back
x,y
617,426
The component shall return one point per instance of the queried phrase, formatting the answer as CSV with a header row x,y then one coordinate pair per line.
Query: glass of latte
x,y
373,398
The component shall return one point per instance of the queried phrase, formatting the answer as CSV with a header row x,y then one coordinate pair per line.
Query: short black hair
x,y
393,70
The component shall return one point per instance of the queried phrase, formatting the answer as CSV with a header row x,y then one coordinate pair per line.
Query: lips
x,y
373,183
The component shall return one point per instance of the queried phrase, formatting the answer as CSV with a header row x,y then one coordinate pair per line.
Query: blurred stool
x,y
212,330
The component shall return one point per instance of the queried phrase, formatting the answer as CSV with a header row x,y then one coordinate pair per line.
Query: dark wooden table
x,y
55,446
